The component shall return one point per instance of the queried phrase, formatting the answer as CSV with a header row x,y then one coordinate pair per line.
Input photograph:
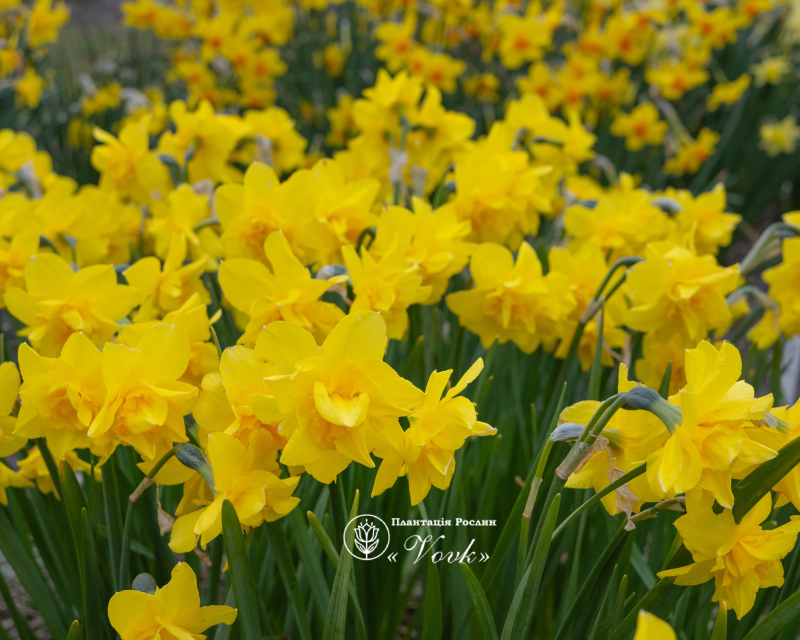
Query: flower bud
x,y
645,399
145,583
190,456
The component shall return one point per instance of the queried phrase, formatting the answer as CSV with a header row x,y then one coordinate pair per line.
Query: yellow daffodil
x,y
210,137
434,241
191,318
173,611
249,213
145,403
788,487
389,285
676,291
712,445
438,428
9,390
165,288
229,396
780,137
741,558
45,21
513,301
61,396
728,93
58,302
338,400
240,476
705,218
127,165
28,89
179,214
782,280
640,127
692,156
624,221
288,292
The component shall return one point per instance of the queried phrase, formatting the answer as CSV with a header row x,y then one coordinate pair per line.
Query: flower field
x,y
400,319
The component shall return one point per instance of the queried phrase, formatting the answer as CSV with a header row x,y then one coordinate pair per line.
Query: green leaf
x,y
20,623
49,462
777,619
620,604
608,557
755,486
660,600
597,365
537,565
94,606
283,558
244,588
663,389
432,619
516,603
481,605
333,556
75,632
506,539
113,516
336,617
720,631
31,578
309,556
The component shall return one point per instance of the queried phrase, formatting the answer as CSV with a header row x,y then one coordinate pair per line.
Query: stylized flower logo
x,y
367,537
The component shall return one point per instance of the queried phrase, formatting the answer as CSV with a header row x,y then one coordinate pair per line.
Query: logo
x,y
370,537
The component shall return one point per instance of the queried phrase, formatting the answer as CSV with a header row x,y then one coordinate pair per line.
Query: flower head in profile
x,y
173,611
631,437
58,302
741,558
585,267
712,445
779,137
438,428
338,401
10,442
241,476
783,281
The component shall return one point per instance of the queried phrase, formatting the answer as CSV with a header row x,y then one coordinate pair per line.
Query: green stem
x,y
597,497
127,531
